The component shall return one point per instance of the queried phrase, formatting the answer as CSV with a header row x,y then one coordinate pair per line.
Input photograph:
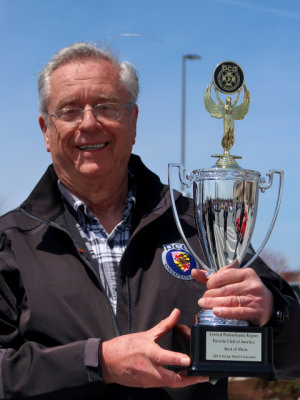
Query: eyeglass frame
x,y
128,105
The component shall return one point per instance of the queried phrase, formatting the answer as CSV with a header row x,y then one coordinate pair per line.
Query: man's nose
x,y
88,119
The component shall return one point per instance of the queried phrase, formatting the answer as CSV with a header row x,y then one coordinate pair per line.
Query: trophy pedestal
x,y
223,351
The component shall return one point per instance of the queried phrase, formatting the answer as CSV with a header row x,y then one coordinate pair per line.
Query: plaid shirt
x,y
106,248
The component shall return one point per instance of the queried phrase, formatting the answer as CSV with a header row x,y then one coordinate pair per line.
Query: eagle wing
x,y
242,109
215,109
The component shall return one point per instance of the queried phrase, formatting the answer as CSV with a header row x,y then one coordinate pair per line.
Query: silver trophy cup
x,y
226,199
225,209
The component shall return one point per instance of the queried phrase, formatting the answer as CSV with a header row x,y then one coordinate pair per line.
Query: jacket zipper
x,y
128,304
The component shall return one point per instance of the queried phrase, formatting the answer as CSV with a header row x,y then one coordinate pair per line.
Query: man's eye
x,y
106,107
69,111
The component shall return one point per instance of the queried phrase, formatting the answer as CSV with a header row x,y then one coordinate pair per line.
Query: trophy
x,y
225,201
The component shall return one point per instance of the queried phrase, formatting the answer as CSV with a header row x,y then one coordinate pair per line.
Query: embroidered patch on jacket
x,y
178,261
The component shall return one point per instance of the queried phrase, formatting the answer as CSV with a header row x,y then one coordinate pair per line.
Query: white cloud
x,y
257,7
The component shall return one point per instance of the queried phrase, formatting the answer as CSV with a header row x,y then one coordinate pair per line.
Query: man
x,y
90,307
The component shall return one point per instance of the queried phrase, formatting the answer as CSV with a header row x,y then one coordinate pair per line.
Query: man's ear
x,y
45,129
134,116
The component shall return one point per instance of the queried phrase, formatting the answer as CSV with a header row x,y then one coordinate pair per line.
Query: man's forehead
x,y
86,68
77,78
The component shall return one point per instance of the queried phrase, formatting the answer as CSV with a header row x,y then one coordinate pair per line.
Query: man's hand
x,y
137,360
236,293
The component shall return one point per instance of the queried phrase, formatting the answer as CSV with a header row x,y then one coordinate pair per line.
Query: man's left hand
x,y
236,293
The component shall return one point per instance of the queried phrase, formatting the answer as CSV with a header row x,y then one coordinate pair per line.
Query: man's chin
x,y
92,170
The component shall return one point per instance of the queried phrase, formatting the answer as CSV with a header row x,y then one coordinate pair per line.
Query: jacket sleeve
x,y
286,327
28,368
285,322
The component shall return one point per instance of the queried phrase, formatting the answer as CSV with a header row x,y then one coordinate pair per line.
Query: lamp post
x,y
184,58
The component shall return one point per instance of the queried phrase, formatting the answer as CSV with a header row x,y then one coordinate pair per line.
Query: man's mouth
x,y
92,146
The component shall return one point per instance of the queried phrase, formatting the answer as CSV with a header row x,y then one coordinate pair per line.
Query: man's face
x,y
92,148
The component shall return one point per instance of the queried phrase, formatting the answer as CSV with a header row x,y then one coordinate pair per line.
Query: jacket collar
x,y
45,201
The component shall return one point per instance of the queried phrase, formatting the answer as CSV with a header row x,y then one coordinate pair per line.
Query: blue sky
x,y
262,36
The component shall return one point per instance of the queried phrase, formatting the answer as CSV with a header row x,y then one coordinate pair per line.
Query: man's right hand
x,y
136,359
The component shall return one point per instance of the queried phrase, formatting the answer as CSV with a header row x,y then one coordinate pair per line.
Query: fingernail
x,y
185,361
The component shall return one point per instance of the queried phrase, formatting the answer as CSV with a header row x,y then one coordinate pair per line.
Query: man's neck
x,y
106,201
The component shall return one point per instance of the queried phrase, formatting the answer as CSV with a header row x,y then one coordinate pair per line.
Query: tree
x,y
276,261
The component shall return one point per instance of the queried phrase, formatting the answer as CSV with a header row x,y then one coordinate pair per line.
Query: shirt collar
x,y
82,211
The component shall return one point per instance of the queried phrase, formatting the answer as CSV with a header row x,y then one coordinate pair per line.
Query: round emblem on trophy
x,y
228,77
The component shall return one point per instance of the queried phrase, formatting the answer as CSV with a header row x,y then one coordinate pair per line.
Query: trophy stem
x,y
226,160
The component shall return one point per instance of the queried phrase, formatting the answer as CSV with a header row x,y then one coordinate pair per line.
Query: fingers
x,y
164,326
184,331
167,357
228,275
228,301
235,282
202,276
136,360
243,313
199,275
164,357
228,285
178,380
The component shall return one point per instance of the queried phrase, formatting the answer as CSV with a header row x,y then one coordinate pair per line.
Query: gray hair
x,y
86,51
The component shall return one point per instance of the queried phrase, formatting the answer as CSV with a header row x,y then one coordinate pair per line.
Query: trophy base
x,y
223,351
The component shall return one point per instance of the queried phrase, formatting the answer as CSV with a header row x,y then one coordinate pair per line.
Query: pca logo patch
x,y
178,261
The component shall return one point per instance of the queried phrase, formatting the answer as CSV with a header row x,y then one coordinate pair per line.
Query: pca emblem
x,y
228,77
178,261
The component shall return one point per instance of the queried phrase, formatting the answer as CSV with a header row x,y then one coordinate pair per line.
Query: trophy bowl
x,y
225,209
225,206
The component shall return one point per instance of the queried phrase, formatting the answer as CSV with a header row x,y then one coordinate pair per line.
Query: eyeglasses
x,y
106,111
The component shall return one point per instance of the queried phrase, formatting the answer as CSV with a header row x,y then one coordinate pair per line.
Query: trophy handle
x,y
270,174
186,179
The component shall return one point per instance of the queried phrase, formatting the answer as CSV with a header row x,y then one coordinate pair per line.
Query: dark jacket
x,y
52,303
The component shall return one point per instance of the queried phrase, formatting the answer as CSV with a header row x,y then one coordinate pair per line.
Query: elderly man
x,y
89,302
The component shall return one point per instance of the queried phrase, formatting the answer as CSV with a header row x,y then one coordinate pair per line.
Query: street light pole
x,y
184,58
